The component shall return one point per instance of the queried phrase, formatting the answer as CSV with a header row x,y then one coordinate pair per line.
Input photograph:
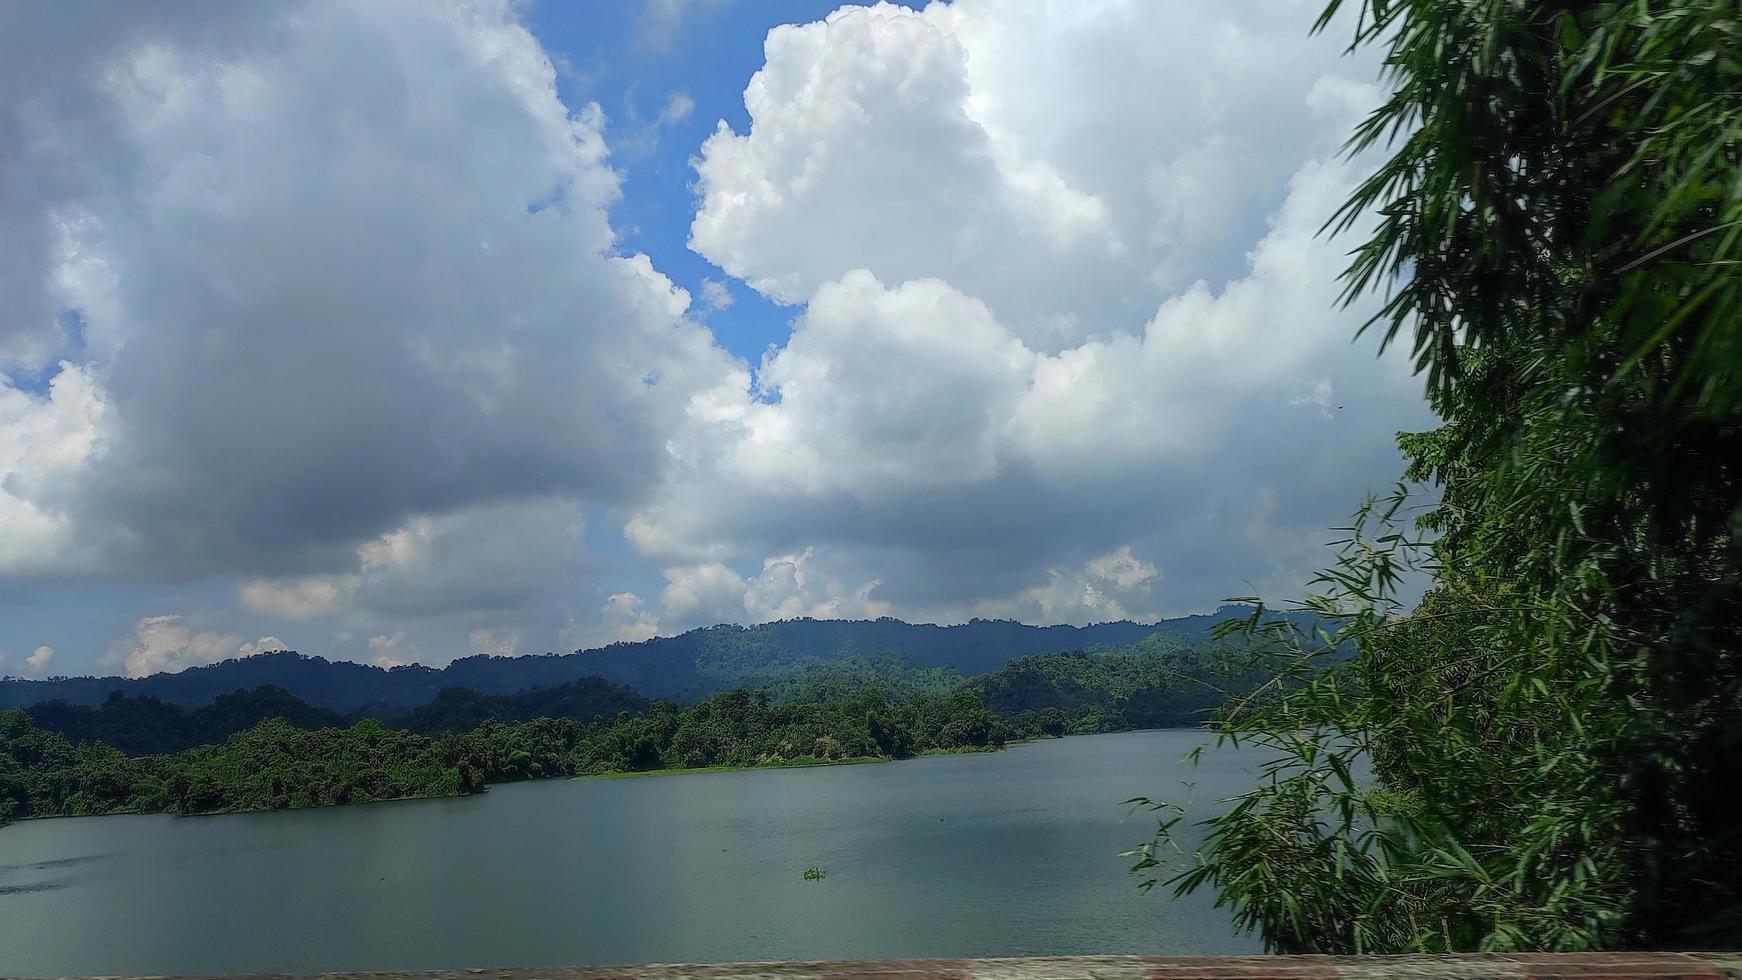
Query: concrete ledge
x,y
1491,966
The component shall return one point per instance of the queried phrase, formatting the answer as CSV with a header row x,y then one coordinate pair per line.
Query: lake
x,y
994,854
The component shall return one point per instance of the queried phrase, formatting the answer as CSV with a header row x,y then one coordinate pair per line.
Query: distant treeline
x,y
266,749
146,725
275,765
683,668
1161,682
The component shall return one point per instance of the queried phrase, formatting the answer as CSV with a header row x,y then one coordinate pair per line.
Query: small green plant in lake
x,y
814,874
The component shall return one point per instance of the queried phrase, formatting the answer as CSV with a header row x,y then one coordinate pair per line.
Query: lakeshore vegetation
x,y
265,749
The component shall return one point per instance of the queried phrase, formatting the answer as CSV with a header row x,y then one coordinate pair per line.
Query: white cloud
x,y
1068,346
789,587
489,557
295,599
39,658
1110,587
435,321
495,642
793,586
44,441
716,295
1122,569
1063,292
499,573
702,595
883,388
678,106
1067,165
166,644
387,647
915,437
626,618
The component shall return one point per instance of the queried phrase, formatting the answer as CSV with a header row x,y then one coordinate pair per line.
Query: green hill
x,y
685,668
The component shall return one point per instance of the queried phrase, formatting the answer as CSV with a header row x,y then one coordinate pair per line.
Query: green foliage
x,y
458,709
685,668
276,765
1541,754
145,725
41,773
896,676
266,749
273,765
1164,681
814,874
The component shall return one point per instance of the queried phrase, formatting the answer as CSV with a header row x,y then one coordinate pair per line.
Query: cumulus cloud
x,y
44,440
1067,165
1110,587
166,644
796,586
39,658
879,389
702,595
323,304
281,360
788,587
931,424
490,557
626,617
499,574
296,599
387,648
716,295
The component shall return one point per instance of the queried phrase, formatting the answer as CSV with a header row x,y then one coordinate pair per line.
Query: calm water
x,y
1000,854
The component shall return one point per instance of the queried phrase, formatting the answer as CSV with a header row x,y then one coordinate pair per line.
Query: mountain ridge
x,y
684,667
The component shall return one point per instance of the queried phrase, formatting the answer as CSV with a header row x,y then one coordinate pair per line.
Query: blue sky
x,y
634,60
992,309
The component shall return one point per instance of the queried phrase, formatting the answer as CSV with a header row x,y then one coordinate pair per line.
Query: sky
x,y
402,331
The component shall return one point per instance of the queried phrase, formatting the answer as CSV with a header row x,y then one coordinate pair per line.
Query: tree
x,y
1552,734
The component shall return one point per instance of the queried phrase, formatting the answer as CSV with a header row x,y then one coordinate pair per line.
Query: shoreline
x,y
801,762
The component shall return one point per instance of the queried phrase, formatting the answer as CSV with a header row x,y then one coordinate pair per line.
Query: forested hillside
x,y
1161,682
685,668
275,765
267,749
143,724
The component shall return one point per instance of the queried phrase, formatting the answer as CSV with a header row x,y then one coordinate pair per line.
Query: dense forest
x,y
143,724
1160,682
276,765
683,668
267,749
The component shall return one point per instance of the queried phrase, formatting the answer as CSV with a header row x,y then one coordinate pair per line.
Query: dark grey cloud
x,y
61,142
